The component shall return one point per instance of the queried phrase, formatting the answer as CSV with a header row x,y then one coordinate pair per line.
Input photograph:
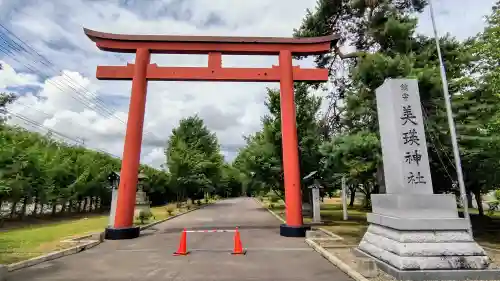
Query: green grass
x,y
496,214
31,241
352,230
34,240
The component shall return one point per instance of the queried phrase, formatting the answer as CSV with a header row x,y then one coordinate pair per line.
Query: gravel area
x,y
495,258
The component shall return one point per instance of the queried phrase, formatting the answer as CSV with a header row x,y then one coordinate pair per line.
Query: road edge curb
x,y
4,268
269,210
336,261
51,256
144,227
327,232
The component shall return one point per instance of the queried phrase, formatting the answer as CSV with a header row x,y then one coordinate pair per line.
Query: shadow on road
x,y
219,204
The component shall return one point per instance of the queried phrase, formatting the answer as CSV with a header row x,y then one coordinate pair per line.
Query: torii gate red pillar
x,y
142,71
124,216
291,169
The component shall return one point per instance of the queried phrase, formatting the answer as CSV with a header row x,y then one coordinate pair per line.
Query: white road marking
x,y
221,250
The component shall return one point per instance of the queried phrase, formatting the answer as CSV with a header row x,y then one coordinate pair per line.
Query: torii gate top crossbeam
x,y
215,47
178,44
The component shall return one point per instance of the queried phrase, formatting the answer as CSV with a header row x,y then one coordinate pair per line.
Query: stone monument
x,y
413,233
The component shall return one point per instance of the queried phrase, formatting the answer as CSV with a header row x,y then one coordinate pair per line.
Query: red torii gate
x,y
143,70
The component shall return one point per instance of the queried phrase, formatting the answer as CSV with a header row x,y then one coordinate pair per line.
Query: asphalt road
x,y
149,257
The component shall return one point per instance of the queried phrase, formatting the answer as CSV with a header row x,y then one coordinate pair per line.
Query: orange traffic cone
x,y
238,248
182,251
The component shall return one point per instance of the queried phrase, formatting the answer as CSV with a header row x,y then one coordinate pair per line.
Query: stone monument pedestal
x,y
420,232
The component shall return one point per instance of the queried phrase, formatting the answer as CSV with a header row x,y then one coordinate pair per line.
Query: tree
x,y
367,26
383,33
157,185
262,155
478,111
259,164
485,49
193,158
53,177
230,184
355,156
5,99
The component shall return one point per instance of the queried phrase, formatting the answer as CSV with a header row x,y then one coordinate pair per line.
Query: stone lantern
x,y
142,202
114,181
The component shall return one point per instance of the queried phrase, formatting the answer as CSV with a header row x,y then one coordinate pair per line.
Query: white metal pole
x,y
451,123
344,199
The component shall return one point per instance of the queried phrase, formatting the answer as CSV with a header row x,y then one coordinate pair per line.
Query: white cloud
x,y
9,78
70,101
460,18
155,157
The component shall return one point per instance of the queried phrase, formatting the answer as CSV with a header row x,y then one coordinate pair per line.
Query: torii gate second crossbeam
x,y
142,71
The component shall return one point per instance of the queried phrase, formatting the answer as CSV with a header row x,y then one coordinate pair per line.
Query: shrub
x,y
144,216
274,199
170,209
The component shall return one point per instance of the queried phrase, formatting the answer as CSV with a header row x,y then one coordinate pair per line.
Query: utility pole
x,y
451,123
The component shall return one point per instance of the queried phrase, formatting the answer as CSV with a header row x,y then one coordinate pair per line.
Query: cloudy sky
x,y
54,69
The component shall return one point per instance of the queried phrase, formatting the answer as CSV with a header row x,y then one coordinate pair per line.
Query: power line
x,y
6,48
35,124
434,138
79,98
74,85
54,83
38,125
33,108
47,63
80,141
